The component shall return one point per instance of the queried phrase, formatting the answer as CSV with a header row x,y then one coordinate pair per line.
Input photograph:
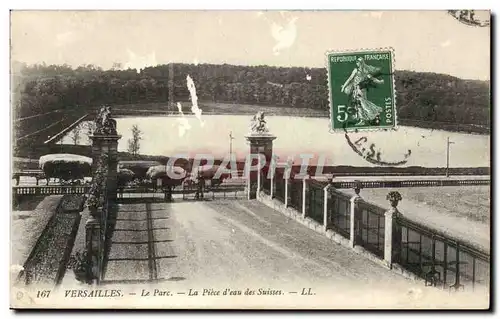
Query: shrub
x,y
209,171
139,168
162,172
125,176
65,166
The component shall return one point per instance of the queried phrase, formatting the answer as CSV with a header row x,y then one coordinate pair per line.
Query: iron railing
x,y
224,191
279,188
410,183
314,200
439,259
370,229
295,194
339,213
49,190
186,192
426,252
266,183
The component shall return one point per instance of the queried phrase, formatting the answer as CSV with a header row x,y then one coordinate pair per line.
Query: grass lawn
x,y
462,212
471,203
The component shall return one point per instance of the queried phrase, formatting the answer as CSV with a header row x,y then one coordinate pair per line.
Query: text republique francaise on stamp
x,y
361,90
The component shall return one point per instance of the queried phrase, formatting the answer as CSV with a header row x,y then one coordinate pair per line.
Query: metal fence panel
x,y
439,259
371,228
295,194
186,192
279,188
314,200
339,213
481,272
266,183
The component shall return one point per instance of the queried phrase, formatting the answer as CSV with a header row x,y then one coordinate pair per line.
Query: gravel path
x,y
244,244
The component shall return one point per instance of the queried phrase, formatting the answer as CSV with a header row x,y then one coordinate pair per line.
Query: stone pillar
x,y
272,186
287,180
354,224
392,235
259,179
260,143
93,246
250,190
287,173
326,194
107,144
304,193
354,220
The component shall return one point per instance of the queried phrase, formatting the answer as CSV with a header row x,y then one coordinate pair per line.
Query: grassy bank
x,y
212,108
30,134
47,260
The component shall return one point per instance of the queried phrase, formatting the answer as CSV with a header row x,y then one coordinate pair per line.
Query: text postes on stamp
x,y
361,90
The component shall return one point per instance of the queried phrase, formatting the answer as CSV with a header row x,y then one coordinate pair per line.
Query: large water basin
x,y
188,136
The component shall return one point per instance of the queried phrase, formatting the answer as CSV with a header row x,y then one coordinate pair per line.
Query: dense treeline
x,y
40,89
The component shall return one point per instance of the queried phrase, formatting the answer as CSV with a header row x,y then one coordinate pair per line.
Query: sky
x,y
428,41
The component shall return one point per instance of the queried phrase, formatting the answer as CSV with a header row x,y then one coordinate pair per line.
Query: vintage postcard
x,y
250,160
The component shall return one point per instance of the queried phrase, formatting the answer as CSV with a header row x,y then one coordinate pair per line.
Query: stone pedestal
x,y
354,222
107,144
392,237
326,195
304,195
259,144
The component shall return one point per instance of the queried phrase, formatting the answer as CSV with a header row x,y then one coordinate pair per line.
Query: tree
x,y
75,137
89,127
116,66
134,142
50,93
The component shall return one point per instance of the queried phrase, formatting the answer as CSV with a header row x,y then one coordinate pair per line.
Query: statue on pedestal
x,y
105,125
258,124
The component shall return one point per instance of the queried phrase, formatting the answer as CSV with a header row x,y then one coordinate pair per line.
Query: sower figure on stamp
x,y
356,86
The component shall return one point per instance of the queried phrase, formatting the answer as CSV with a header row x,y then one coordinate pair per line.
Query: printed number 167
x,y
43,294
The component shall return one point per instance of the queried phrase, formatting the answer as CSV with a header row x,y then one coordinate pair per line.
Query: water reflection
x,y
298,135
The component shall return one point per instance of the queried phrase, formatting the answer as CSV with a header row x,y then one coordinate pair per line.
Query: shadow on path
x,y
134,236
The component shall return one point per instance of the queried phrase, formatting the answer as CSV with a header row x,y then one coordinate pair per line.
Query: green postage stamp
x,y
361,90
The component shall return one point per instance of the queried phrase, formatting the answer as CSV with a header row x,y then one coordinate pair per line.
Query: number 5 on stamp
x,y
361,90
